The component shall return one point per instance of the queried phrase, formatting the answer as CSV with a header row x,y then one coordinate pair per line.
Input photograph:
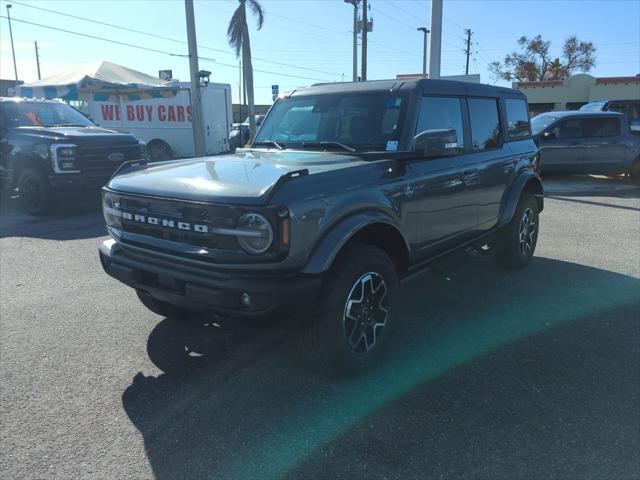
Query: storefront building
x,y
576,91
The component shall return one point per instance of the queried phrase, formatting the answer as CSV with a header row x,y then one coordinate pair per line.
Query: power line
x,y
127,29
117,42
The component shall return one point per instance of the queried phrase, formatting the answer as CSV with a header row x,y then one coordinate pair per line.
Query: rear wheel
x,y
353,327
36,194
159,151
163,308
521,235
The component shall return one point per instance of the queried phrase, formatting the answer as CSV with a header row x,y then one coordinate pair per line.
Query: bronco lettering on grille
x,y
166,222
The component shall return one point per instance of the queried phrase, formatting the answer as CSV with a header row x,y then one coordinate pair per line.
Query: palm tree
x,y
238,35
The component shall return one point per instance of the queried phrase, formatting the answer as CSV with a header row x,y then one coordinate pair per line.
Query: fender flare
x,y
328,247
527,181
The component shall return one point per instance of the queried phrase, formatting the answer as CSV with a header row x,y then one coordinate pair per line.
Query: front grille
x,y
96,158
213,216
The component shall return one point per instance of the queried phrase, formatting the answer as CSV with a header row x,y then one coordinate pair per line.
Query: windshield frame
x,y
360,149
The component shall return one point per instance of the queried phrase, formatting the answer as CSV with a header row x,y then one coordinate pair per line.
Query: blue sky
x,y
312,36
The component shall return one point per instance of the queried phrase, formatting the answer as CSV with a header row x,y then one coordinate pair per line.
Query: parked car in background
x,y
239,135
587,141
47,146
631,108
346,189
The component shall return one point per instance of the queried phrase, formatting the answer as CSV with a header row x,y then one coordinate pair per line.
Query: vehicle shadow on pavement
x,y
491,374
78,216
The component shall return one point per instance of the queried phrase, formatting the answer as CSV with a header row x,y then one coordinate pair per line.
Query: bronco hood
x,y
244,178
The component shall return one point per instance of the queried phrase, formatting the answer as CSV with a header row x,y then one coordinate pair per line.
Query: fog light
x,y
245,300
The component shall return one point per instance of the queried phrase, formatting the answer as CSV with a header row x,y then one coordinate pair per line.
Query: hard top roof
x,y
425,85
581,113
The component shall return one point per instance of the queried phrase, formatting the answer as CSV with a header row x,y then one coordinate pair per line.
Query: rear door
x,y
564,150
604,150
493,161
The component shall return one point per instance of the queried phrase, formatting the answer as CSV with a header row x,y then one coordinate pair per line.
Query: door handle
x,y
470,177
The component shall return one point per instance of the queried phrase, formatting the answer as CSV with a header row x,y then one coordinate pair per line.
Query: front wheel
x,y
521,235
353,327
36,194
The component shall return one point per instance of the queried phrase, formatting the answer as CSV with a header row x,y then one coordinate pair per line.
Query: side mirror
x,y
436,143
549,135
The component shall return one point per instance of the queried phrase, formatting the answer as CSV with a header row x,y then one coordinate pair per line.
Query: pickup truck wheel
x,y
351,331
161,308
36,194
159,151
521,235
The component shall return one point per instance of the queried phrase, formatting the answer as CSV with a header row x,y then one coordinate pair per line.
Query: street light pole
x,y
424,51
196,105
355,37
13,51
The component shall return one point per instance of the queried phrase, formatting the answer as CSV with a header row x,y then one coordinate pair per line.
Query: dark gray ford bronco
x,y
346,190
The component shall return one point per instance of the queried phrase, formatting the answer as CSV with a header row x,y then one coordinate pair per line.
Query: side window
x,y
439,113
573,128
485,123
517,118
602,127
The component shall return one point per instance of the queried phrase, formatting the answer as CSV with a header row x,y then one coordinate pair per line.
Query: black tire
x,y
634,173
337,342
521,235
159,151
163,309
36,195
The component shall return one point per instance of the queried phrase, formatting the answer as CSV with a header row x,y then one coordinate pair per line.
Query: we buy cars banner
x,y
152,111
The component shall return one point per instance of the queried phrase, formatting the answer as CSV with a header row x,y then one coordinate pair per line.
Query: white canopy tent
x,y
99,81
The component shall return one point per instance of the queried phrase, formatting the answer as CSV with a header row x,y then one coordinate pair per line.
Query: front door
x,y
562,150
442,191
603,148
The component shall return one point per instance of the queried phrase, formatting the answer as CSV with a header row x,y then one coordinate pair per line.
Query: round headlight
x,y
255,234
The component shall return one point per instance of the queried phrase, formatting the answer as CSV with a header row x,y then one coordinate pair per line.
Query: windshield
x,y
541,122
364,122
41,114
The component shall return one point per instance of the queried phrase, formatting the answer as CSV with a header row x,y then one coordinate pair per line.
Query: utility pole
x,y
13,51
38,60
355,37
365,29
424,51
196,104
436,39
468,49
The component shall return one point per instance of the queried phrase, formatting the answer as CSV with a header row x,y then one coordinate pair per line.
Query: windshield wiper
x,y
272,143
329,144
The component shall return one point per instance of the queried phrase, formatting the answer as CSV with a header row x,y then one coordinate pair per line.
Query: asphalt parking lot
x,y
492,374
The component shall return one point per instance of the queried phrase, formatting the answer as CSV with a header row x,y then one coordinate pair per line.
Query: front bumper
x,y
78,180
192,285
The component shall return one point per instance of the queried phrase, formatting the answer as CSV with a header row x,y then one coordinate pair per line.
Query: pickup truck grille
x,y
96,158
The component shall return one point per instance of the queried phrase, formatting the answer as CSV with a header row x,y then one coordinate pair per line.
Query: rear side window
x,y
517,118
485,123
438,113
602,127
573,128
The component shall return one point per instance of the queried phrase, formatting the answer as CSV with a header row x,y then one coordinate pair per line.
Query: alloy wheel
x,y
365,312
526,232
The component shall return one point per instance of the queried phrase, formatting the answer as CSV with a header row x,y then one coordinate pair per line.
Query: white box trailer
x,y
165,123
